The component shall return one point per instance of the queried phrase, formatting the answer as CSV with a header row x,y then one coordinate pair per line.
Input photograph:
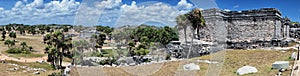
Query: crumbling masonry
x,y
248,28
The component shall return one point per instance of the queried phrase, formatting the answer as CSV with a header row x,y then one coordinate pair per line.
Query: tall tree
x,y
56,40
58,44
183,22
197,21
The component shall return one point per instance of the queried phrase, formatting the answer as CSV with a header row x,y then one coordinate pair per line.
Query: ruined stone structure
x,y
265,23
248,26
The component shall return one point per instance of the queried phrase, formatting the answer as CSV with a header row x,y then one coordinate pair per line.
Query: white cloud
x,y
157,12
226,10
183,4
92,12
236,6
38,12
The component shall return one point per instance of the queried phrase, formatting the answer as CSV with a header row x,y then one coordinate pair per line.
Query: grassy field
x,y
31,55
35,41
20,72
234,59
262,60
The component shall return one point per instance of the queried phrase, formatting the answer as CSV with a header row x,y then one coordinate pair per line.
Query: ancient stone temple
x,y
250,26
263,23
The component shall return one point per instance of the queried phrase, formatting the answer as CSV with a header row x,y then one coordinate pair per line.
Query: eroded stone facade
x,y
264,23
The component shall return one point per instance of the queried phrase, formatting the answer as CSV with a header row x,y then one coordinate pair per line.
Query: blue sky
x,y
124,12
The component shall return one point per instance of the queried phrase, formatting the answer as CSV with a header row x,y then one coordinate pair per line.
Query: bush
x,y
142,51
14,51
108,61
17,51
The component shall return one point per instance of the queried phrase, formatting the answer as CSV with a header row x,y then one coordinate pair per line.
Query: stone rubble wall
x,y
242,26
245,29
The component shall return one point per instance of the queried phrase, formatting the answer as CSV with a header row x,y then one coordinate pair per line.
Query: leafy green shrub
x,y
108,61
17,51
14,51
142,51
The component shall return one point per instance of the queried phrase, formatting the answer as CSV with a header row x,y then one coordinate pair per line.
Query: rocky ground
x,y
261,59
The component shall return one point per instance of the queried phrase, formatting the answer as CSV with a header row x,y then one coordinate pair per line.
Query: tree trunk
x,y
198,32
61,57
185,27
191,44
56,56
61,53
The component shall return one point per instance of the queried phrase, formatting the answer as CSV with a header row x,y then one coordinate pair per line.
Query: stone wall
x,y
265,23
245,29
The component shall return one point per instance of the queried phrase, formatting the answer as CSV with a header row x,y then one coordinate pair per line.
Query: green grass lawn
x,y
31,55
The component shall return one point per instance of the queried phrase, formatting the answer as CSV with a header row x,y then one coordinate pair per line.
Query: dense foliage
x,y
58,47
105,29
145,34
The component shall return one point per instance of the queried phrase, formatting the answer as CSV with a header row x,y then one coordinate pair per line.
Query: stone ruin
x,y
245,29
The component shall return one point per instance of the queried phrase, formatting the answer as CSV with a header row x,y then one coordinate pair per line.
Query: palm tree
x,y
23,44
182,21
58,38
198,22
57,45
54,42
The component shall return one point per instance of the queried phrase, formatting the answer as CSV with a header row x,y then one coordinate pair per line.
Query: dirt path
x,y
22,59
